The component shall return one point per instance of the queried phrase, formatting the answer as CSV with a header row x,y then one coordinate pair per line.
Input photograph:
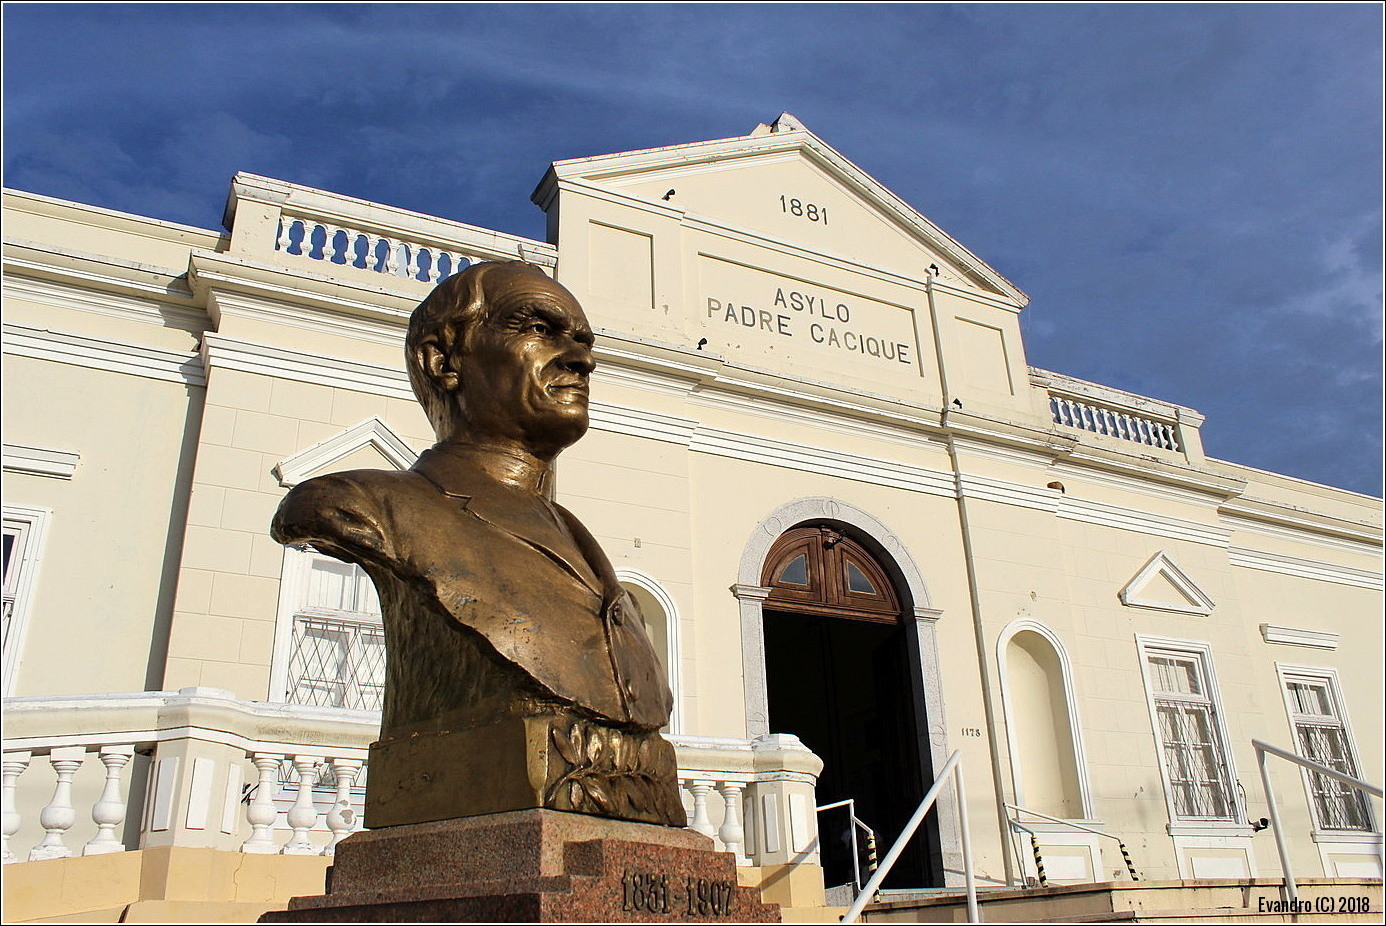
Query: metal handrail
x,y
854,823
951,767
1130,868
1262,748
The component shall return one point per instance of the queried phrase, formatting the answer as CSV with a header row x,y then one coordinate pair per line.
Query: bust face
x,y
525,365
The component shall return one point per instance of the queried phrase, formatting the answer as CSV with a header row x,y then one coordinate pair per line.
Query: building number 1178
x,y
811,211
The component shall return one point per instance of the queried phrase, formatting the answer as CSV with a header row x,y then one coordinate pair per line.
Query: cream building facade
x,y
857,519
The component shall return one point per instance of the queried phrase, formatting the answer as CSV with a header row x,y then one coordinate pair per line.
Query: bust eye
x,y
541,328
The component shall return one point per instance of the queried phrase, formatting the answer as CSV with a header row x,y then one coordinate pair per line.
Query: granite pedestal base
x,y
536,866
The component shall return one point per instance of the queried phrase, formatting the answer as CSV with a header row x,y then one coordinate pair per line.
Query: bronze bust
x,y
518,672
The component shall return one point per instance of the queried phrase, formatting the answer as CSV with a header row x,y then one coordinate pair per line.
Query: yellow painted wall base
x,y
786,885
166,884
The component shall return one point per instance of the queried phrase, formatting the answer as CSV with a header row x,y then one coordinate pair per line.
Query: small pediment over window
x,y
1163,586
368,445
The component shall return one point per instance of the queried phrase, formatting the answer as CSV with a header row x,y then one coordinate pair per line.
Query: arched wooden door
x,y
838,677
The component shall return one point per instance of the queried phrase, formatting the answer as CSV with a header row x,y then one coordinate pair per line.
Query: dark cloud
x,y
1190,193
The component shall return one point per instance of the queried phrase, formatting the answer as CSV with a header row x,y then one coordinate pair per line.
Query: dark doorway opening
x,y
838,673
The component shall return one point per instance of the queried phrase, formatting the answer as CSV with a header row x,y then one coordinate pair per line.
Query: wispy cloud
x,y
1189,193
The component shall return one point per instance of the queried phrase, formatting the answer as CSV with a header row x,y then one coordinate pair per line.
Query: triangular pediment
x,y
785,183
368,445
1163,586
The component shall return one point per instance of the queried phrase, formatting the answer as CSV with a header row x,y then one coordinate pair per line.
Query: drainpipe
x,y
974,597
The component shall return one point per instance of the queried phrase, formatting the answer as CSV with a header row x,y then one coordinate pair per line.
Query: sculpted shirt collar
x,y
460,471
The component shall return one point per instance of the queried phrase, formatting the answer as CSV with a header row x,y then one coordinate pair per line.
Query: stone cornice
x,y
1282,564
105,295
41,461
104,354
1265,513
29,266
355,293
1299,636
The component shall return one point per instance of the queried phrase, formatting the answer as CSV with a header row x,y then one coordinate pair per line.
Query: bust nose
x,y
577,358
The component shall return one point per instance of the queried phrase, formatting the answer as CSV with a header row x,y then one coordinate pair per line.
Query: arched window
x,y
662,622
819,569
1042,728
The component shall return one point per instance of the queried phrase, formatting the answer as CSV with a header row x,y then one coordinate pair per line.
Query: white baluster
x,y
341,819
282,242
700,822
57,818
349,246
14,766
261,812
393,249
732,833
411,270
109,811
303,814
305,243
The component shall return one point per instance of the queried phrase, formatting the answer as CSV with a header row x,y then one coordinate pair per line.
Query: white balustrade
x,y
57,818
303,814
261,812
341,819
742,793
1113,423
730,834
109,811
363,250
14,765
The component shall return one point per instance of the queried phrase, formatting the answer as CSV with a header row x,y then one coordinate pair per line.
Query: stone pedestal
x,y
537,866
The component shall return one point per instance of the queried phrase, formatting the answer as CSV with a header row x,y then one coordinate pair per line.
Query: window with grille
x,y
23,538
337,651
16,533
1192,747
1321,736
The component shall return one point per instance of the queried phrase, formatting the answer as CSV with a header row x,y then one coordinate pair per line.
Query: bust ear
x,y
433,359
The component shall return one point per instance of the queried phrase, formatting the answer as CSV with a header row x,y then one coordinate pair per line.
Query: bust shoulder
x,y
345,514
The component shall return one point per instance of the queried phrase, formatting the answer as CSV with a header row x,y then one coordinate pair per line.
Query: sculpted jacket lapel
x,y
540,526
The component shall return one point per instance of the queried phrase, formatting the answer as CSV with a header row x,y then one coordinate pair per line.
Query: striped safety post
x,y
1126,857
1039,861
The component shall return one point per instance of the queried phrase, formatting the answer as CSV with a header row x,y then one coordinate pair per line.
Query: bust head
x,y
499,355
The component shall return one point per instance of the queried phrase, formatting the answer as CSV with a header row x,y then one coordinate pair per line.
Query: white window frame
x,y
293,593
1328,679
1202,653
30,524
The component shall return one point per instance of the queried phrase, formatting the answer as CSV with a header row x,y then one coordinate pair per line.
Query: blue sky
x,y
1190,194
